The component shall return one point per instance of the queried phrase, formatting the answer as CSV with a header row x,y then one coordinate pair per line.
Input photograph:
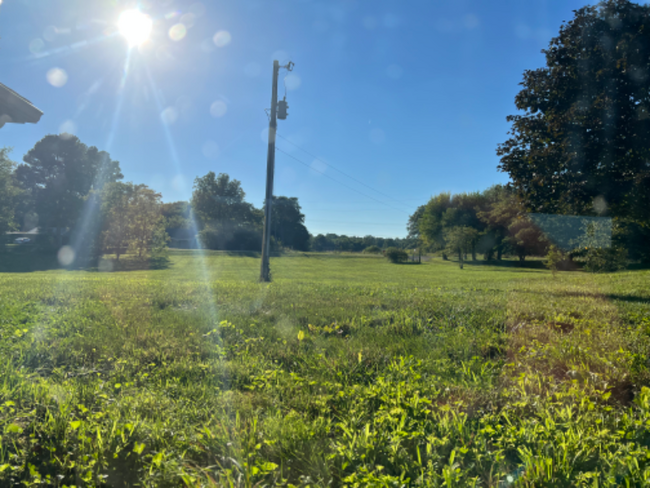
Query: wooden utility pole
x,y
265,271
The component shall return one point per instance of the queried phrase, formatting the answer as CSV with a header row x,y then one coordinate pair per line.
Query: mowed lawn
x,y
346,370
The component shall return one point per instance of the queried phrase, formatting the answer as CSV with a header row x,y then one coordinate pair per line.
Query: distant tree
x,y
9,193
431,222
526,239
288,224
581,145
320,243
334,242
605,260
395,255
116,199
146,223
635,237
413,224
218,199
344,243
508,226
502,208
372,250
461,240
59,173
556,259
177,215
464,213
133,219
228,222
232,237
445,212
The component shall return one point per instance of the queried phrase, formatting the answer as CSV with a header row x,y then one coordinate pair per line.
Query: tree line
x,y
343,243
75,195
493,223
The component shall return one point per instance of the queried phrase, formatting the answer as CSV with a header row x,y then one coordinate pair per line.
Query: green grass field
x,y
345,371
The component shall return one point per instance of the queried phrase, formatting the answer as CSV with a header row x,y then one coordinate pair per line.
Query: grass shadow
x,y
130,263
33,261
586,294
534,264
27,262
218,252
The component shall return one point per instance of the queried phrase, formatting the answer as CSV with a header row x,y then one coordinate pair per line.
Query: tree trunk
x,y
499,253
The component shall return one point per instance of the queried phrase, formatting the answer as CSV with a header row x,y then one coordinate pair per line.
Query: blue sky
x,y
408,97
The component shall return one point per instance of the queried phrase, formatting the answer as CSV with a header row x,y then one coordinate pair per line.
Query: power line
x,y
426,199
337,181
340,171
353,223
342,210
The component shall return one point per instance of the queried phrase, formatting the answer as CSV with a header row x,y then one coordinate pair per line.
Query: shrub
x,y
605,260
395,255
372,250
555,259
231,238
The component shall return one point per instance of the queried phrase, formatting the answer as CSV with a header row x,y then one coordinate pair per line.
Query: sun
x,y
135,26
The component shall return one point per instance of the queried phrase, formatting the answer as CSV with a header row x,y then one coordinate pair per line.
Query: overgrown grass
x,y
346,370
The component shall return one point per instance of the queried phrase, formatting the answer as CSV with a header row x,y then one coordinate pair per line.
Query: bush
x,y
556,259
395,255
372,250
605,260
231,238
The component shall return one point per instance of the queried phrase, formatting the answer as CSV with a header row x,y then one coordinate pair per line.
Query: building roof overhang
x,y
16,109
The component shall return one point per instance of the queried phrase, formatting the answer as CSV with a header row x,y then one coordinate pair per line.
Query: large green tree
x,y
133,220
227,220
446,211
581,144
8,192
431,221
146,224
220,200
413,224
115,212
59,172
461,239
288,224
177,215
490,222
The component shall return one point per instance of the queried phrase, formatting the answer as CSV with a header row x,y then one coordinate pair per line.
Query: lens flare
x,y
177,32
135,26
57,77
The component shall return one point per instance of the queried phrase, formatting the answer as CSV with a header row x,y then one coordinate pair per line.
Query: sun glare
x,y
135,26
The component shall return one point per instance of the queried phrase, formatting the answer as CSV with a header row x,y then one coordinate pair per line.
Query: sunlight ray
x,y
120,101
203,272
66,50
84,230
